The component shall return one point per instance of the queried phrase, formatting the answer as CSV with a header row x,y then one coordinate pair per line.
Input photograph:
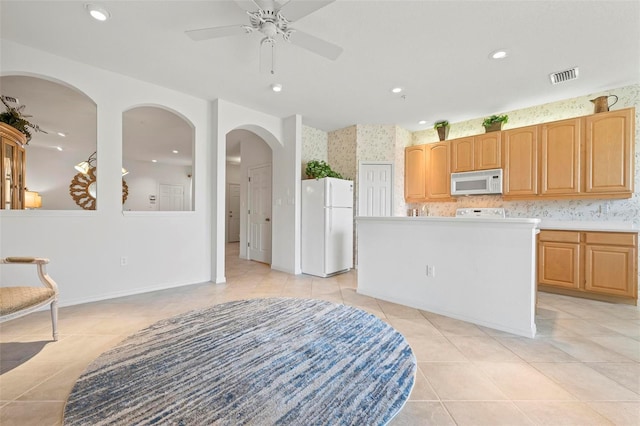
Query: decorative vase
x,y
493,127
443,132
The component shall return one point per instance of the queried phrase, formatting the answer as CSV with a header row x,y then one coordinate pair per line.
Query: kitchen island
x,y
477,270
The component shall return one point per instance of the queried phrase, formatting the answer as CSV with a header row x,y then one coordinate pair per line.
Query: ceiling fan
x,y
270,20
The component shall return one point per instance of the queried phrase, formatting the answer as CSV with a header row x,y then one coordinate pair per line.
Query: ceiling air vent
x,y
562,76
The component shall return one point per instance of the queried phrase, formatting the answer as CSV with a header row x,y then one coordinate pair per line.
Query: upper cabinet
x,y
584,157
426,173
414,173
12,167
609,152
521,161
560,157
480,152
437,171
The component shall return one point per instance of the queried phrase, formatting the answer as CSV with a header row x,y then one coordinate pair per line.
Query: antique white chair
x,y
18,301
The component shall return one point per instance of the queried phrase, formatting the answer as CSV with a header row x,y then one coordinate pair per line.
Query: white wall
x,y
85,247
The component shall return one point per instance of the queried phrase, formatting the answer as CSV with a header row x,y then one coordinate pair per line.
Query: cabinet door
x,y
560,157
488,150
521,161
609,138
438,175
559,264
414,173
462,156
611,270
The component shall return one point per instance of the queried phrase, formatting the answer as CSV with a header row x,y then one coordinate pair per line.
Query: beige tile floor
x,y
582,369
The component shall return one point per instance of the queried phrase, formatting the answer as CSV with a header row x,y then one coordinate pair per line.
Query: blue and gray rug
x,y
251,362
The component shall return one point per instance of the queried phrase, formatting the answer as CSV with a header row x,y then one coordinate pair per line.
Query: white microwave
x,y
477,183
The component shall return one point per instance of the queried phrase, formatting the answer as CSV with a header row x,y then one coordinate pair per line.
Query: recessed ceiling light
x,y
98,13
62,135
396,89
276,87
175,151
59,148
499,54
422,122
154,161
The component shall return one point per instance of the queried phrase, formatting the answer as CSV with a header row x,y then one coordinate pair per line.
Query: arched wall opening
x,y
283,136
67,118
158,157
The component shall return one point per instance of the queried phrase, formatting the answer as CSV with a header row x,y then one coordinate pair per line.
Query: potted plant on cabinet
x,y
319,169
494,123
442,127
14,117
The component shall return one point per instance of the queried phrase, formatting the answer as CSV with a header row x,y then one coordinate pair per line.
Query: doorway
x,y
171,197
233,217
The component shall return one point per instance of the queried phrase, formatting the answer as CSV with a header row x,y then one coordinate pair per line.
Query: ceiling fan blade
x,y
297,9
316,45
253,5
215,32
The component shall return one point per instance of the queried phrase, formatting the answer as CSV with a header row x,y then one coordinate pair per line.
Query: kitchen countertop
x,y
586,225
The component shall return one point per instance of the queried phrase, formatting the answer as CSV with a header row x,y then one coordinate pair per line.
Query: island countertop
x,y
473,269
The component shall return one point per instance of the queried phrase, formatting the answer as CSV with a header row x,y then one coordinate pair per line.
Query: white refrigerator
x,y
327,226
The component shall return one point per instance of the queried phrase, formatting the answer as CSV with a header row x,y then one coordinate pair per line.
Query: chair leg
x,y
54,319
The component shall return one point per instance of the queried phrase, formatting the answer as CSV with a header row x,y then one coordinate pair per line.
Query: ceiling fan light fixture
x,y
97,12
276,87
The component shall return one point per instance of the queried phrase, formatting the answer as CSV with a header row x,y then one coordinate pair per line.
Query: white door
x,y
260,214
171,197
375,189
233,215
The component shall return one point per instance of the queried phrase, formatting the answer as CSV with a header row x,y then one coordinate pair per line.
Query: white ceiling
x,y
436,50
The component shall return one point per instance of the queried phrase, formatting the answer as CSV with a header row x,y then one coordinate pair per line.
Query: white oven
x,y
477,183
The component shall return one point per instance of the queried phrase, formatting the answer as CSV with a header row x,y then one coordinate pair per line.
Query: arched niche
x,y
68,118
158,157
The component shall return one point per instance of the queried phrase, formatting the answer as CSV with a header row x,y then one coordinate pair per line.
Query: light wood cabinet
x,y
437,171
597,265
480,152
609,162
414,174
520,150
462,155
560,157
12,167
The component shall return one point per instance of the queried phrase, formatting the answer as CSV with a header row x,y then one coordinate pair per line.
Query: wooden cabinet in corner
x,y
595,265
426,173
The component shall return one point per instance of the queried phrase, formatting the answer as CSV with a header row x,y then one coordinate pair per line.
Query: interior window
x,y
67,119
157,159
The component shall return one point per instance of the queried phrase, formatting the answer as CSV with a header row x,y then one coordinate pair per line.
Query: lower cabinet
x,y
597,265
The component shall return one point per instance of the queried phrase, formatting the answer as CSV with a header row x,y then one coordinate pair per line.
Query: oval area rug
x,y
252,362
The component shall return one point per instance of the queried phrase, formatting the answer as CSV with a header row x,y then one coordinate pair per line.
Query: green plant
x,y
320,169
441,123
495,119
13,117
